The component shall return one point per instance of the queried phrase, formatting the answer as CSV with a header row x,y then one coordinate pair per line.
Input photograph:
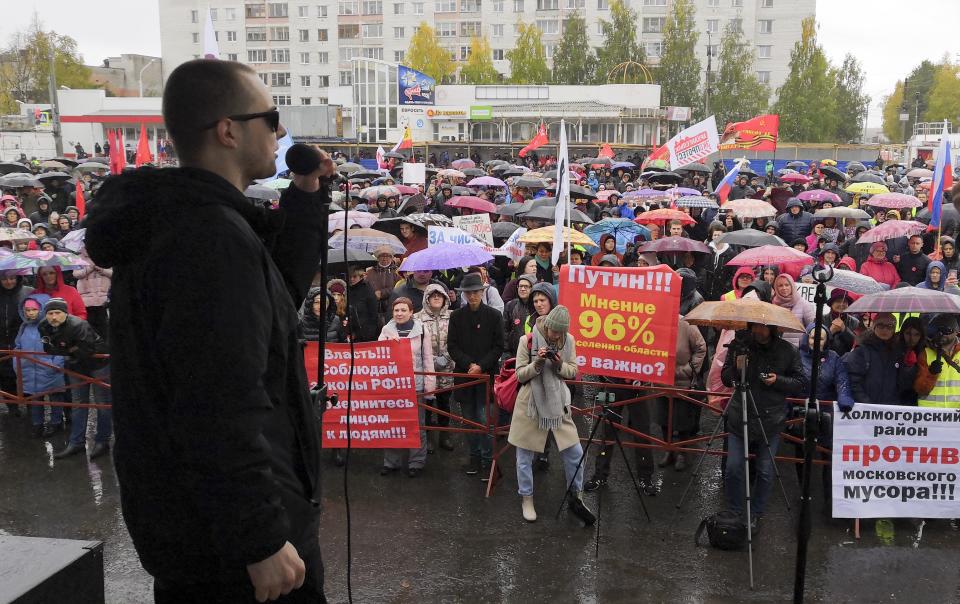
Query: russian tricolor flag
x,y
722,190
942,180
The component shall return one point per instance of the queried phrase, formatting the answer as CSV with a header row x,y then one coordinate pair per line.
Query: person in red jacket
x,y
878,267
50,281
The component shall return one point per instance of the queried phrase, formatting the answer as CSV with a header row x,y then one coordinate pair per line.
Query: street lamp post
x,y
140,77
706,93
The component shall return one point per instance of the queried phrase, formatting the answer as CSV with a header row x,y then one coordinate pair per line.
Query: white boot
x,y
529,513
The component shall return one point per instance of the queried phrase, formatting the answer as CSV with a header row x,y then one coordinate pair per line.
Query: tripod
x,y
607,417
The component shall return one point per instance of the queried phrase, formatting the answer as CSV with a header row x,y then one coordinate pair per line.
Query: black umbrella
x,y
473,172
666,177
419,221
751,238
496,162
503,230
533,204
365,175
394,155
868,177
10,167
696,167
513,171
833,173
509,209
530,182
797,165
349,167
17,180
462,191
576,191
748,172
261,192
54,176
71,162
547,214
358,258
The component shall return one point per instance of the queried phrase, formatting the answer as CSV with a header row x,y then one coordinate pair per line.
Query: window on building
x,y
229,14
279,55
763,51
231,36
447,30
766,26
499,54
518,6
497,29
736,3
575,4
281,100
322,35
258,55
464,53
255,11
398,56
418,8
232,56
304,100
548,26
713,25
322,100
277,9
653,49
372,53
280,78
603,5
372,7
373,30
548,49
766,3
265,78
497,6
348,7
305,81
304,58
713,3
347,53
548,4
713,50
654,2
736,25
469,29
323,81
398,8
303,11
763,77
304,35
346,78
321,11
323,58
652,25
445,6
398,33
348,31
280,34
195,37
194,16
469,6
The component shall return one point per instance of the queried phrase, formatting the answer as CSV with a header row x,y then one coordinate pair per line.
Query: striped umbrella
x,y
907,299
696,201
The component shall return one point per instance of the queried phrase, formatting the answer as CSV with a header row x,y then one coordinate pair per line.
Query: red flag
x,y
757,134
658,153
143,148
112,141
538,141
405,142
80,201
606,151
118,154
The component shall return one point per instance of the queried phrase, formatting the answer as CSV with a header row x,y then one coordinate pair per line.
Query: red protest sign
x,y
383,395
624,320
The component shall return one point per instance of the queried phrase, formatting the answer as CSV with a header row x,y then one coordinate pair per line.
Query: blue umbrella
x,y
448,255
625,231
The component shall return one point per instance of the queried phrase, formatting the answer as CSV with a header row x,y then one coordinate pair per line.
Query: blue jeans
x,y
81,394
473,406
56,411
571,459
733,482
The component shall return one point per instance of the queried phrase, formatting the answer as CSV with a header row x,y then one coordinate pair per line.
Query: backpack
x,y
505,384
725,530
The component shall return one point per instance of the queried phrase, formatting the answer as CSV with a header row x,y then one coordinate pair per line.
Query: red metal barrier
x,y
77,380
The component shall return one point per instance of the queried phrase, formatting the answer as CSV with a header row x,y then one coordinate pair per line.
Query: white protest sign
x,y
896,462
694,144
477,225
414,174
512,247
439,235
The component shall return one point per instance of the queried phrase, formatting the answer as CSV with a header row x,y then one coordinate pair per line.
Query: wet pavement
x,y
435,538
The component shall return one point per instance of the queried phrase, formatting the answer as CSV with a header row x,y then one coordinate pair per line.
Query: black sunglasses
x,y
271,115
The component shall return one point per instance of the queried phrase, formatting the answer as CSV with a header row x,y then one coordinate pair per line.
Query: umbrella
x,y
11,167
623,229
738,314
891,229
695,167
683,191
373,193
510,209
451,173
92,166
394,155
352,217
349,168
795,178
797,165
18,235
623,165
750,208
607,193
278,183
596,161
74,240
666,177
675,245
580,192
460,164
545,235
696,201
868,177
548,213
477,204
418,220
828,162
503,230
852,281
552,175
867,188
894,201
412,204
34,259
406,189
770,254
842,213
751,238
365,175
358,258
920,173
448,255
73,163
15,180
367,240
819,196
261,192
664,216
528,206
785,171
530,182
907,300
474,172
53,176
830,172
486,181
462,191
52,164
657,164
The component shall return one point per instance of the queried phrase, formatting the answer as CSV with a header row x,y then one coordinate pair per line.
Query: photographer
x,y
938,371
773,372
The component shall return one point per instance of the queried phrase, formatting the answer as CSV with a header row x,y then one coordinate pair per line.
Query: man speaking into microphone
x,y
217,447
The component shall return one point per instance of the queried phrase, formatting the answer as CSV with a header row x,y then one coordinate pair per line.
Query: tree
x,y
427,56
916,92
679,71
892,106
25,66
852,103
528,59
806,102
573,61
479,68
944,98
621,58
737,94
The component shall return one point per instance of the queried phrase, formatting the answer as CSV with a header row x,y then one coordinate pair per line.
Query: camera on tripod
x,y
742,343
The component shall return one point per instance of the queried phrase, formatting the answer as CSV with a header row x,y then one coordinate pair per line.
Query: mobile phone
x,y
952,273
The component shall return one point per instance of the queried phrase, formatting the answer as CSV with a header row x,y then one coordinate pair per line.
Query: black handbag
x,y
725,530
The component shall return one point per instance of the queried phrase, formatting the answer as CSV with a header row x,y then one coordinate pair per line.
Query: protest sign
x,y
439,235
896,462
477,225
694,144
383,395
624,320
512,248
414,174
808,291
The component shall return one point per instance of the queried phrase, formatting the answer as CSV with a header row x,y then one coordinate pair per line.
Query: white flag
x,y
563,194
211,50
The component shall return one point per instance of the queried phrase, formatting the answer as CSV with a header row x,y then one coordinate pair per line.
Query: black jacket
x,y
779,357
912,268
10,301
77,341
475,337
874,368
217,449
312,327
364,322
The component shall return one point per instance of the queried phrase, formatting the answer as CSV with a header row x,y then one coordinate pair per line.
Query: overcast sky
x,y
889,37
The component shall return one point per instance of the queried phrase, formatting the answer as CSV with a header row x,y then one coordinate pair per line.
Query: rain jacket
x,y
93,282
598,257
436,327
833,383
793,227
942,286
717,272
690,298
515,315
217,445
311,325
735,293
547,290
882,271
874,367
10,317
36,377
422,348
75,305
362,315
913,268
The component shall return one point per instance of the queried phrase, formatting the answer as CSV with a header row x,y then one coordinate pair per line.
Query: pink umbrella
x,y
486,181
461,164
795,178
406,189
892,229
770,254
605,194
451,173
894,201
478,204
819,195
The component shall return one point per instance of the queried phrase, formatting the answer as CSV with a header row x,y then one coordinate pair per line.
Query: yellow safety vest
x,y
903,316
730,295
946,392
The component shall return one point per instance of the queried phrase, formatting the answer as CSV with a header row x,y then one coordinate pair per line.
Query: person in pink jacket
x,y
93,284
878,267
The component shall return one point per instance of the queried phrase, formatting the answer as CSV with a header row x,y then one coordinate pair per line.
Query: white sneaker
x,y
529,513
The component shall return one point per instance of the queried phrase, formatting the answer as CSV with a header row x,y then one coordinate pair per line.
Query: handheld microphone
x,y
302,159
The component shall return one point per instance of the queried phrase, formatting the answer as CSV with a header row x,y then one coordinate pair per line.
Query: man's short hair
x,y
200,92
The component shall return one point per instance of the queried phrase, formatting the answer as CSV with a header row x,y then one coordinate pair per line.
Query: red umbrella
x,y
892,229
894,201
460,164
406,189
770,254
795,177
663,217
477,204
673,245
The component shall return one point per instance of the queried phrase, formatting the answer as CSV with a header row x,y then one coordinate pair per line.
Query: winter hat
x,y
878,245
893,215
31,303
610,259
531,279
557,319
56,304
337,286
941,324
